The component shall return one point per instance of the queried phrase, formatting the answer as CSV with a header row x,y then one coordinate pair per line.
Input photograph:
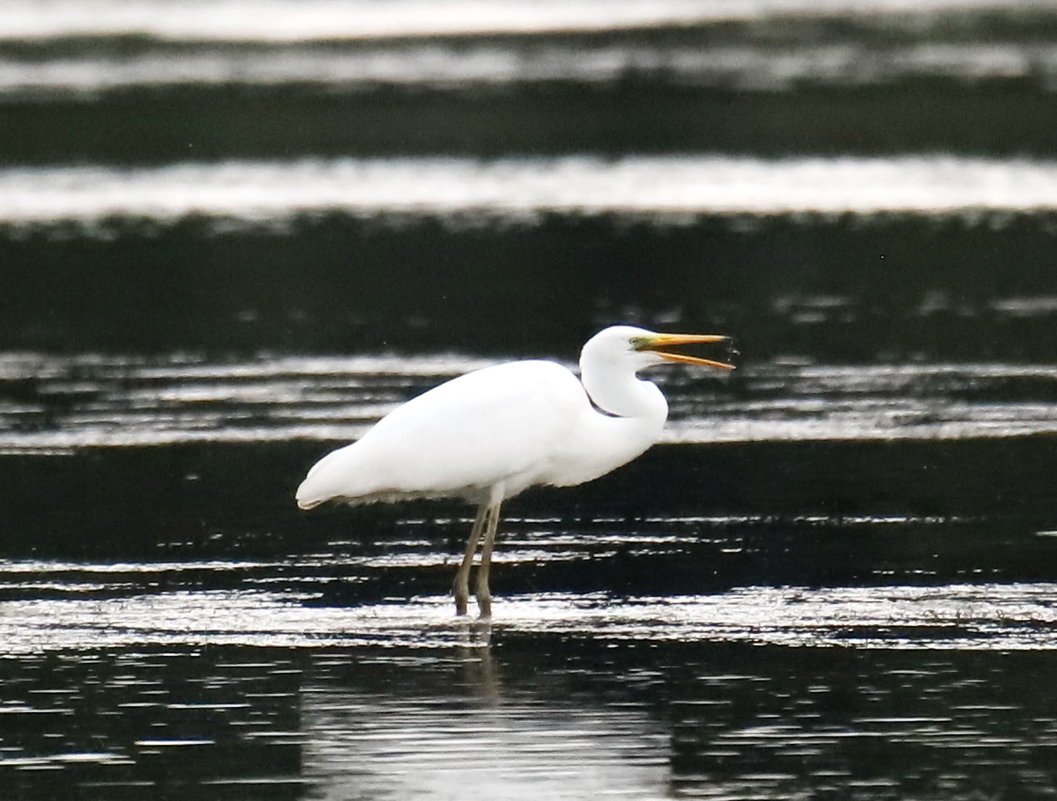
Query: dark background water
x,y
831,290
834,578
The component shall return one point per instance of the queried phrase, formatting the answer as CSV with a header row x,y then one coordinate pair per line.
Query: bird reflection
x,y
479,665
459,724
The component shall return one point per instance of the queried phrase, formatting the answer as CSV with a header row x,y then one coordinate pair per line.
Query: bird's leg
x,y
483,592
461,587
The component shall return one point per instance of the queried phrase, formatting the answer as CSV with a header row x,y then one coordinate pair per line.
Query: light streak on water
x,y
663,188
957,616
439,66
56,403
81,49
284,21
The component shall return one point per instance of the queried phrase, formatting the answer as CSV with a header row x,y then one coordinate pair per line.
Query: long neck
x,y
614,388
631,420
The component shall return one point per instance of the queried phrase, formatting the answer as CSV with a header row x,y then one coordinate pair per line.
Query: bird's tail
x,y
312,492
330,478
305,500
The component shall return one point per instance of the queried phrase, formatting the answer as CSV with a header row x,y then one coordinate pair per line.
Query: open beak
x,y
660,344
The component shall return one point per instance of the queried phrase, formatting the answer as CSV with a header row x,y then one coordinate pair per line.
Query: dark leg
x,y
461,587
484,593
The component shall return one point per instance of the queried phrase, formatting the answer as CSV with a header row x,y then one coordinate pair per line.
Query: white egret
x,y
491,433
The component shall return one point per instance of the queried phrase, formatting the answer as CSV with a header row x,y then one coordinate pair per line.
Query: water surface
x,y
674,189
235,234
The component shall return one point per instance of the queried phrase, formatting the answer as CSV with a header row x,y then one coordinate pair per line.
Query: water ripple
x,y
661,188
56,403
284,21
1019,616
439,66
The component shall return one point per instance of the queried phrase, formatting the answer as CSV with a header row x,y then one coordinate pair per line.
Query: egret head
x,y
644,348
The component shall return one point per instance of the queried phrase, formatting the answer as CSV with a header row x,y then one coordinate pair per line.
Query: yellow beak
x,y
658,343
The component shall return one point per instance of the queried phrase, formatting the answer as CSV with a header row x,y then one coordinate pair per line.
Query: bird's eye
x,y
638,343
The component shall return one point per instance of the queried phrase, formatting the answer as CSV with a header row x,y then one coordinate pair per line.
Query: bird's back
x,y
496,427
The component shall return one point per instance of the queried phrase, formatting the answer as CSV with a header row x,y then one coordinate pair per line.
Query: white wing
x,y
502,425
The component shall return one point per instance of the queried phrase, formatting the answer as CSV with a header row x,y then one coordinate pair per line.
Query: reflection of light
x,y
944,616
391,746
276,20
95,400
439,64
664,189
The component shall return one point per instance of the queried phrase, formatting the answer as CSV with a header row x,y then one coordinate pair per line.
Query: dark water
x,y
234,234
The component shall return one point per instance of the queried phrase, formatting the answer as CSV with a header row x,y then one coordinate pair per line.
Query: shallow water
x,y
282,677
98,614
55,403
525,713
823,633
233,235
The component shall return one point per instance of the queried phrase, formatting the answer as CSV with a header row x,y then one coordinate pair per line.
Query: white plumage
x,y
489,434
